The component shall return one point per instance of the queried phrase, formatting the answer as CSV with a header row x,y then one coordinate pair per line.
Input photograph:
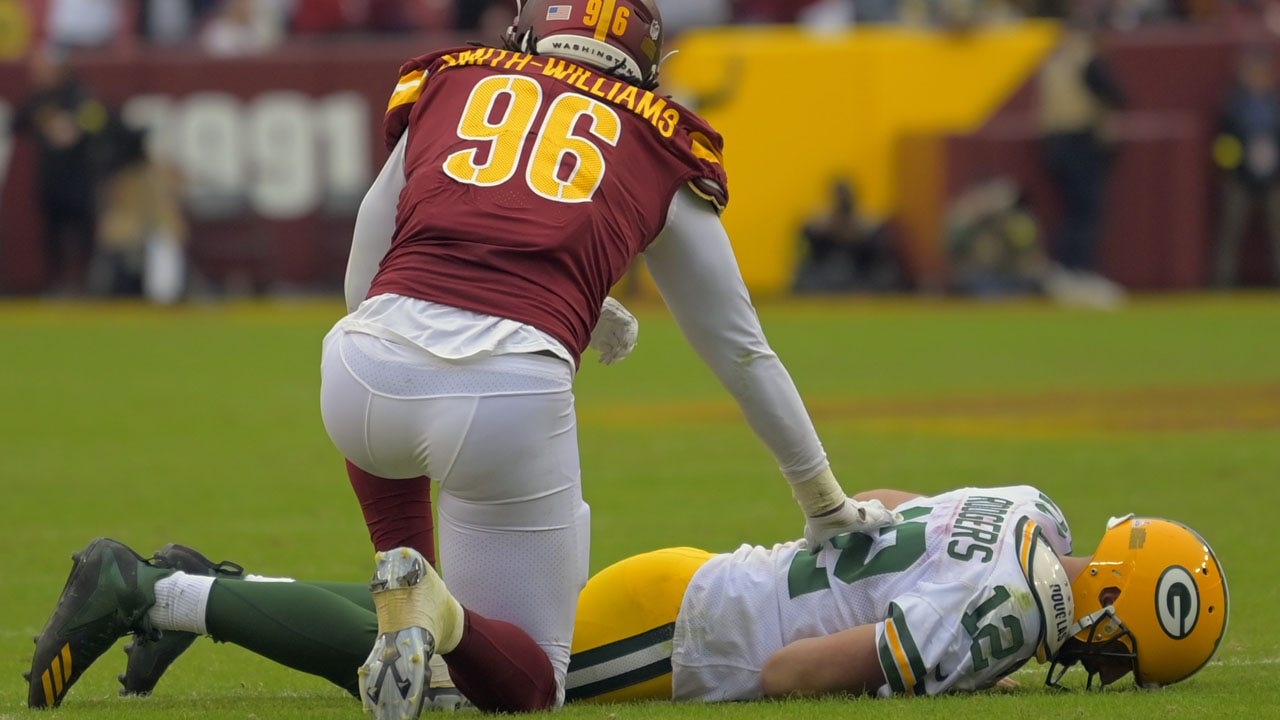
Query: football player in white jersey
x,y
961,591
965,589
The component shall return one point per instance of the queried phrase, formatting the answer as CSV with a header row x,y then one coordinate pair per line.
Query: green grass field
x,y
201,425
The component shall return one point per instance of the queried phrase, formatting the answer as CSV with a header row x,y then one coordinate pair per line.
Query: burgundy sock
x,y
499,668
397,512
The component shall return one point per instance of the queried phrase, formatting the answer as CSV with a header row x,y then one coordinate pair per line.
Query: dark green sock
x,y
300,625
355,592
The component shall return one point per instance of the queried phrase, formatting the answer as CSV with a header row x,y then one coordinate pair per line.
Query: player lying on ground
x,y
956,595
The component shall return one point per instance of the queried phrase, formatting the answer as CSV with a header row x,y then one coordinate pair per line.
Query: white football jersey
x,y
947,588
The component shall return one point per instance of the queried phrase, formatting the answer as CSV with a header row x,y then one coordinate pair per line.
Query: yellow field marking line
x,y
1048,415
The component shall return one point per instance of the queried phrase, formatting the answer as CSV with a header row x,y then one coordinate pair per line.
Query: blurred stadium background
x,y
266,115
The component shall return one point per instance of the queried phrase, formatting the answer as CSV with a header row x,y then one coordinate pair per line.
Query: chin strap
x,y
509,37
520,43
1091,620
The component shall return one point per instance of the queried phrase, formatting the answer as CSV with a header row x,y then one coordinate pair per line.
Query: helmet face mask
x,y
1153,601
622,38
1107,660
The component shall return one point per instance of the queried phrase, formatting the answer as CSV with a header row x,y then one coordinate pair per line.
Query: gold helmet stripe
x,y
606,20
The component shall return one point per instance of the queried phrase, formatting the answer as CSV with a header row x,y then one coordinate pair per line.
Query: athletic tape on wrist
x,y
819,495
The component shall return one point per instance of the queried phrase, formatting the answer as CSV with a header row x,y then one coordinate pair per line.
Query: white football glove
x,y
852,516
615,334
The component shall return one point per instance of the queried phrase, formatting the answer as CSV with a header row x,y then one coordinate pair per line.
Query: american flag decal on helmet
x,y
559,12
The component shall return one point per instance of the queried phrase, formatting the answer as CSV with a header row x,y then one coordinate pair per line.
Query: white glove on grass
x,y
615,334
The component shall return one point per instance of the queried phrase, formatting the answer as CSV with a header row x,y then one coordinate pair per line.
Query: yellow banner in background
x,y
799,109
15,29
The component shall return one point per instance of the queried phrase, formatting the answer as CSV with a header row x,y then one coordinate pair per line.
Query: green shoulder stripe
x,y
904,648
909,647
889,666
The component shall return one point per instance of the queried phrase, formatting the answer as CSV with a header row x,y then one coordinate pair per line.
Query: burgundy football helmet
x,y
620,37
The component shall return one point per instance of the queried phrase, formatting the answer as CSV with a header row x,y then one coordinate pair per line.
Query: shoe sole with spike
x,y
394,680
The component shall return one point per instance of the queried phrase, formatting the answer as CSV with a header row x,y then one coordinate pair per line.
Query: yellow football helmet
x,y
1153,601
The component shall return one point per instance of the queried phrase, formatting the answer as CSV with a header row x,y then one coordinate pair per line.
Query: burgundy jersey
x,y
532,183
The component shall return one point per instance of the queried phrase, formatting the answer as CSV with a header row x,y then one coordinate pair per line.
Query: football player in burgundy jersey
x,y
521,184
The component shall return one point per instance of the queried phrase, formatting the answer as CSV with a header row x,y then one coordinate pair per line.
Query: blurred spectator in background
x,y
1247,151
244,27
87,23
1127,15
95,23
174,22
321,17
993,242
996,250
767,11
957,15
1122,15
846,250
1198,11
1078,99
876,11
141,231
679,16
1247,16
65,122
829,15
1044,8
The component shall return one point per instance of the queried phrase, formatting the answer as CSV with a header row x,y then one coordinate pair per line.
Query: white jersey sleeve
x,y
924,650
375,225
694,267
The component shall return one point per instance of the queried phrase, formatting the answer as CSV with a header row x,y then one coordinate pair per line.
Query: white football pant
x,y
499,434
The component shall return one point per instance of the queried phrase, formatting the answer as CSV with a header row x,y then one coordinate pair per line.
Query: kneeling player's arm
x,y
890,498
845,662
375,226
693,264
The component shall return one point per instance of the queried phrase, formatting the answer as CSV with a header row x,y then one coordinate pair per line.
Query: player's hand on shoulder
x,y
864,516
616,333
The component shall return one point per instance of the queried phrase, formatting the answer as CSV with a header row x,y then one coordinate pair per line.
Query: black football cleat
x,y
106,597
151,653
